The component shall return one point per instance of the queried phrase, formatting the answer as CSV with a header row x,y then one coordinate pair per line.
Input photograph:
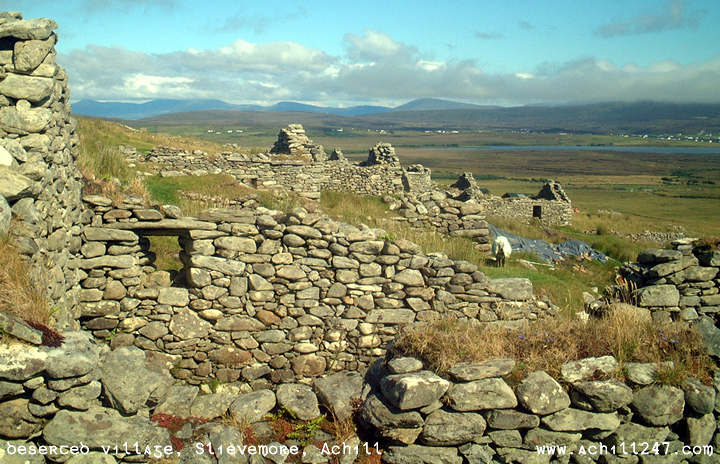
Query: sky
x,y
388,52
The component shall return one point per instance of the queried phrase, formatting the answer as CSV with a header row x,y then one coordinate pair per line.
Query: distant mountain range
x,y
598,118
159,107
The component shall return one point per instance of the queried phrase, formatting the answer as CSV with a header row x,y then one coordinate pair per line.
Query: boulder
x,y
575,420
467,372
338,391
512,288
173,296
211,406
390,422
658,295
130,393
510,419
541,394
601,396
299,400
700,429
444,428
253,407
186,324
700,398
630,432
710,334
28,29
29,54
413,390
404,365
16,421
177,401
416,454
659,404
98,427
14,185
480,395
30,88
22,119
585,369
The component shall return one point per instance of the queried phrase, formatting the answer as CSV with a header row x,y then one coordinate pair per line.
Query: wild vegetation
x,y
624,332
18,295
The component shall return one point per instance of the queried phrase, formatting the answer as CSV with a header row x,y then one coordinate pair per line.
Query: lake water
x,y
634,149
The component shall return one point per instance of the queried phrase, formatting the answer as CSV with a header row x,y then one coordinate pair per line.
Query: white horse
x,y
501,250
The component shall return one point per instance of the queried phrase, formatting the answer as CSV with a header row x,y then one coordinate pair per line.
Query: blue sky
x,y
388,52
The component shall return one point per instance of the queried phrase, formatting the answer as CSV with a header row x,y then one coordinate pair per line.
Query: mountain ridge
x,y
157,107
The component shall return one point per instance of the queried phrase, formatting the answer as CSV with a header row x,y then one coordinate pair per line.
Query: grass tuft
x,y
625,332
19,295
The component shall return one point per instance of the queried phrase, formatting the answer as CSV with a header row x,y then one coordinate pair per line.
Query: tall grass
x,y
19,295
549,343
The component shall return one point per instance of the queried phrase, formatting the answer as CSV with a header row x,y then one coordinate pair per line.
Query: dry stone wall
x,y
299,165
682,283
79,396
461,211
439,211
83,403
39,180
475,415
273,297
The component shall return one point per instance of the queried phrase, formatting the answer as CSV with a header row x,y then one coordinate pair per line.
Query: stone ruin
x,y
337,155
467,183
293,141
552,191
284,298
382,154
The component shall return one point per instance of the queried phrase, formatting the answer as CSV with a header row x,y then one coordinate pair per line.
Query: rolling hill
x,y
601,118
125,110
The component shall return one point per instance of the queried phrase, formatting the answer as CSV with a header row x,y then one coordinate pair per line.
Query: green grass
x,y
166,249
563,285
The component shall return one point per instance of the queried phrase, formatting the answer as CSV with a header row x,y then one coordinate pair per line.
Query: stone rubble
x,y
538,411
682,283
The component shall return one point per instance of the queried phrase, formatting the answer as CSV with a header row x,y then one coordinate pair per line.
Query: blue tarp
x,y
549,252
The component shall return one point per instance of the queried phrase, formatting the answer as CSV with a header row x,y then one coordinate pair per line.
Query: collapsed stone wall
x,y
39,182
299,176
682,283
76,404
441,212
293,141
272,296
474,415
78,396
462,210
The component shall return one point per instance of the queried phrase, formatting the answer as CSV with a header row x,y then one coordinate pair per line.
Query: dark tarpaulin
x,y
549,252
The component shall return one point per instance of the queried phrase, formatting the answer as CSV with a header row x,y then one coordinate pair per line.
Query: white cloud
x,y
374,69
373,46
156,84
